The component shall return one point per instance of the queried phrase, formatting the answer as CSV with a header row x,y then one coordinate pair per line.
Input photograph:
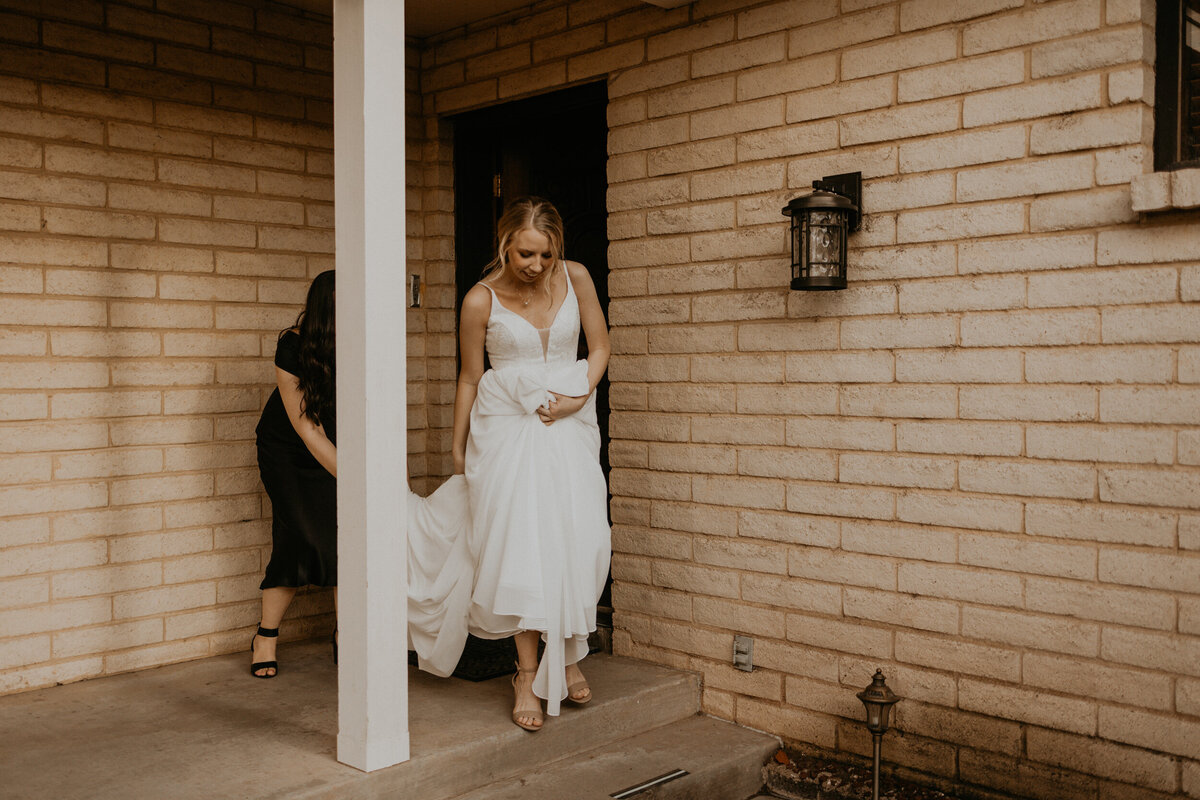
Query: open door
x,y
554,146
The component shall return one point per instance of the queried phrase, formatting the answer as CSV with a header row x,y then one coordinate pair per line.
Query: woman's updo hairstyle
x,y
528,213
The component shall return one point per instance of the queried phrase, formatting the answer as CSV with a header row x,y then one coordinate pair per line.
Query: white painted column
x,y
368,105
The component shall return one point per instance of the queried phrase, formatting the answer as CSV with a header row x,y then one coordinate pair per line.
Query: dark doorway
x,y
555,146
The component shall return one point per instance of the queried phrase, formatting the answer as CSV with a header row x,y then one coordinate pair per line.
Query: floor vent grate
x,y
638,788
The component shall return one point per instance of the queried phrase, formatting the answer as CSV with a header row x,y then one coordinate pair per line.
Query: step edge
x,y
692,709
763,749
686,683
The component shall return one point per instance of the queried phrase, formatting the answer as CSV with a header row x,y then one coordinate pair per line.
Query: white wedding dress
x,y
522,541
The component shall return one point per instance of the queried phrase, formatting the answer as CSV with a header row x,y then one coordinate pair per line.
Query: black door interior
x,y
553,146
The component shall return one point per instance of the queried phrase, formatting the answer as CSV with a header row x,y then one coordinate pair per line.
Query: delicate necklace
x,y
526,297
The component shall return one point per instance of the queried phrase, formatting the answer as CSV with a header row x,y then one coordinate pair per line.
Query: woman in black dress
x,y
297,458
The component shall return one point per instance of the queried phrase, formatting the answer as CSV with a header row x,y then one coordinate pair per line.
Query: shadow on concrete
x,y
207,729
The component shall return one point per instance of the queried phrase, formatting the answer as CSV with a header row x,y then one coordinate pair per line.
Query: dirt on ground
x,y
799,776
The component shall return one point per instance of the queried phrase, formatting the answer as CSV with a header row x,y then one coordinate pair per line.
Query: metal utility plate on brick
x,y
743,653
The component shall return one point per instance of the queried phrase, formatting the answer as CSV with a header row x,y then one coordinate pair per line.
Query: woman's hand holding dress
x,y
559,407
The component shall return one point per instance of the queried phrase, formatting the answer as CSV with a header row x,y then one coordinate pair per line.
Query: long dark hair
x,y
318,360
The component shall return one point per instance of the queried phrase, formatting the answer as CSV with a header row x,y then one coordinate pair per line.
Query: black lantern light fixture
x,y
821,223
878,699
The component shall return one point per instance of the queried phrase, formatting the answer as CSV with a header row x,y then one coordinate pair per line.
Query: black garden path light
x,y
878,699
821,223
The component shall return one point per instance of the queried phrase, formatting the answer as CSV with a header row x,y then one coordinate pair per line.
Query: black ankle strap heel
x,y
266,633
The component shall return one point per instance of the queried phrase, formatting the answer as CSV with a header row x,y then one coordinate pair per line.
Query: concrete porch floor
x,y
207,729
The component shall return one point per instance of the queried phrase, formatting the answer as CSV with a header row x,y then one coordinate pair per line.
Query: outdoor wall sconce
x,y
821,222
878,699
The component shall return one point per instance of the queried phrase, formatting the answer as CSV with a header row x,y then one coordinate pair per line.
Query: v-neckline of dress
x,y
557,311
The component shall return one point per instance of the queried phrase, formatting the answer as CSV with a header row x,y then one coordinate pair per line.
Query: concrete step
x,y
477,744
722,761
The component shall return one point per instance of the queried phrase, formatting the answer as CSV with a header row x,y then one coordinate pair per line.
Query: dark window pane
x,y
1177,85
1190,85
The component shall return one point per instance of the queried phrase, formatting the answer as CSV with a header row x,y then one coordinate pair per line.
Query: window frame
x,y
1169,90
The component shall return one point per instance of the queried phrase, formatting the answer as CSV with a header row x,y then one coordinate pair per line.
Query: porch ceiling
x,y
428,17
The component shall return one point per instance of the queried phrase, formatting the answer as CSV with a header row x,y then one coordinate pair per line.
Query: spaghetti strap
x,y
495,301
567,272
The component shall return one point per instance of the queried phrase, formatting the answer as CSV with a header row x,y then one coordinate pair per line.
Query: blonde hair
x,y
528,213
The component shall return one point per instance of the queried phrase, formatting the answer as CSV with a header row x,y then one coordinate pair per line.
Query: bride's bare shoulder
x,y
580,277
477,301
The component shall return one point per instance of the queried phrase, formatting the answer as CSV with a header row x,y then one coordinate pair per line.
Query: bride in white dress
x,y
526,441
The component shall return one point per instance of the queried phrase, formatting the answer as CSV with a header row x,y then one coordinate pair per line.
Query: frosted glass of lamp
x,y
820,224
826,231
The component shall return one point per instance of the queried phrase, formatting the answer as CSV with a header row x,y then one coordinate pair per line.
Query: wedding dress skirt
x,y
521,542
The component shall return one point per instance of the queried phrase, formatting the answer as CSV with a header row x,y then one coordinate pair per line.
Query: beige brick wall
x,y
432,341
165,195
976,467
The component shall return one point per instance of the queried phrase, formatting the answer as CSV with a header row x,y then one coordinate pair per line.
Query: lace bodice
x,y
512,339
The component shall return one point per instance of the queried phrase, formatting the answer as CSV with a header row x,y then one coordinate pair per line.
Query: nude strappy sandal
x,y
579,686
526,711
